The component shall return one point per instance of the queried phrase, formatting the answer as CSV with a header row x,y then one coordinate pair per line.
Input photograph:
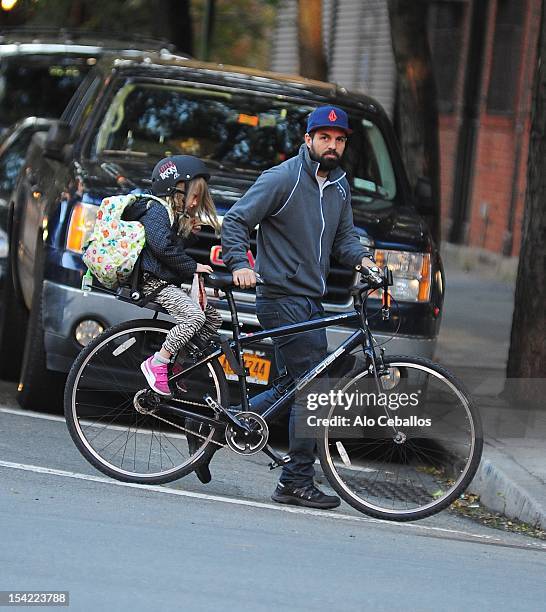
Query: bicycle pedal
x,y
220,410
213,404
280,462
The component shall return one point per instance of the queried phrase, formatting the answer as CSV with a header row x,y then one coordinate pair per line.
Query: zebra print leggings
x,y
189,317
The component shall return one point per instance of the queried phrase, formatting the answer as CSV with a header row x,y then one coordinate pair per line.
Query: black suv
x,y
130,113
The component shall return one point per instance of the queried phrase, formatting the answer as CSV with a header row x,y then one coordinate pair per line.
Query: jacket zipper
x,y
321,189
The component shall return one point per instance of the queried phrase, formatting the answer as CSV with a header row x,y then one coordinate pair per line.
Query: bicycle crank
x,y
251,441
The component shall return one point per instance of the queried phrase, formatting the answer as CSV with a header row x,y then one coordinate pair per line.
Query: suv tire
x,y
39,388
13,322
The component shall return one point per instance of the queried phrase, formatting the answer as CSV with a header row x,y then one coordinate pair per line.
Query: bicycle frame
x,y
361,336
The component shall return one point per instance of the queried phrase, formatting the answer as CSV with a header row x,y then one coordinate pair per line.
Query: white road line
x,y
33,415
254,504
59,419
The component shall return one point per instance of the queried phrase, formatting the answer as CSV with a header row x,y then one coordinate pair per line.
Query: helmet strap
x,y
184,212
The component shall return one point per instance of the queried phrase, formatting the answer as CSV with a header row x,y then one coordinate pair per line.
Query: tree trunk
x,y
527,354
172,21
77,14
311,51
416,112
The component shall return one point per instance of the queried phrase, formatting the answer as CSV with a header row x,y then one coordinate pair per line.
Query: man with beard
x,y
303,207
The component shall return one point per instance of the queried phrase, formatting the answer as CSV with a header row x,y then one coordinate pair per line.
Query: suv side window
x,y
368,163
81,104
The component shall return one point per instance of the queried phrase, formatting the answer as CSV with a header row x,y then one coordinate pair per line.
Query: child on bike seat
x,y
182,181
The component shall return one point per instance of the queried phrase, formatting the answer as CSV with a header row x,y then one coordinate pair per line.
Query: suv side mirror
x,y
423,196
57,138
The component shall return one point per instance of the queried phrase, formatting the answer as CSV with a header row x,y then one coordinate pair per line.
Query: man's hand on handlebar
x,y
367,262
244,278
370,272
203,269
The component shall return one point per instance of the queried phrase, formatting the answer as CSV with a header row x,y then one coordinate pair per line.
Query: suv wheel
x,y
13,323
39,388
13,320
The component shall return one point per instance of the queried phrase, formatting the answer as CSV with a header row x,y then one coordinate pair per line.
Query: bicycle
x,y
385,465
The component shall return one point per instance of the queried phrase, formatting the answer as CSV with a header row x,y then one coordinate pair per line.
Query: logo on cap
x,y
332,116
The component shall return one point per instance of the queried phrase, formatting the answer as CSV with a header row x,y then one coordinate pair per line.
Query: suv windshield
x,y
38,85
232,129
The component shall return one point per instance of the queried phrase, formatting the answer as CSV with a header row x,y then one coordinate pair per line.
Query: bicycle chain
x,y
185,429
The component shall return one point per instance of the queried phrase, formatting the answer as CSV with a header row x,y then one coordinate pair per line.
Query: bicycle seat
x,y
219,280
126,294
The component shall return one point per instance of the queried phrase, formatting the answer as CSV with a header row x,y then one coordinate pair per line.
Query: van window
x,y
38,85
240,130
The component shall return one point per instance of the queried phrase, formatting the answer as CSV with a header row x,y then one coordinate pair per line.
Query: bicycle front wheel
x,y
412,444
105,416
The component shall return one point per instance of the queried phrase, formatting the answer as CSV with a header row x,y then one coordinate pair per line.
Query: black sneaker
x,y
308,495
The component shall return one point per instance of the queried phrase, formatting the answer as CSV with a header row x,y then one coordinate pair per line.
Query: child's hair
x,y
205,211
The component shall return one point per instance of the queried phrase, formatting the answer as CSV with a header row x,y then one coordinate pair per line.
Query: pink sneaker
x,y
157,376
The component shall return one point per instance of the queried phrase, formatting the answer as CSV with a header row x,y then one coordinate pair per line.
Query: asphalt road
x,y
226,546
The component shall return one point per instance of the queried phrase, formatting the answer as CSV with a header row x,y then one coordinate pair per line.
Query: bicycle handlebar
x,y
374,278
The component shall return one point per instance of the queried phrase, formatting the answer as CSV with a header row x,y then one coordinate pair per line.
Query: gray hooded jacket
x,y
300,227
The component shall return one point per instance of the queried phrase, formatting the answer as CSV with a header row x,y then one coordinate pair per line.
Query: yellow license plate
x,y
259,368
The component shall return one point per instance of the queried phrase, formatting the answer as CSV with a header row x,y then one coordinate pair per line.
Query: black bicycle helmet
x,y
176,168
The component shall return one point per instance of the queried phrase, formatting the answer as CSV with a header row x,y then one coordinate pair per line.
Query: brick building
x,y
484,53
484,56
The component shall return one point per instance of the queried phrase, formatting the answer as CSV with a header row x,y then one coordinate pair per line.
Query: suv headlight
x,y
80,228
411,274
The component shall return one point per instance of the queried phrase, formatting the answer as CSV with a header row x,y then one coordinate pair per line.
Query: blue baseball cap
x,y
328,117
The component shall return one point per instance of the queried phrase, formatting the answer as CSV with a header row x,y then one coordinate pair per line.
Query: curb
x,y
499,493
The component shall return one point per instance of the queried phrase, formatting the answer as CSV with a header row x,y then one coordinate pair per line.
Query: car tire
x,y
39,389
13,322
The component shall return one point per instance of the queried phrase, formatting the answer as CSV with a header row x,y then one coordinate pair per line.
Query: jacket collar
x,y
311,166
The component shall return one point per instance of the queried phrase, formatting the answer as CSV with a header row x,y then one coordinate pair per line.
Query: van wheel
x,y
39,388
13,323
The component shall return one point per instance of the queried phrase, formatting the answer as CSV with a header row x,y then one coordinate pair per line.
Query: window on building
x,y
445,32
506,56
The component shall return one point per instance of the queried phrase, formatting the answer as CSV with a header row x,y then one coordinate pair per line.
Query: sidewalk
x,y
512,475
473,343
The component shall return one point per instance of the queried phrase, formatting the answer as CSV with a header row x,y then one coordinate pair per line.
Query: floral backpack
x,y
116,244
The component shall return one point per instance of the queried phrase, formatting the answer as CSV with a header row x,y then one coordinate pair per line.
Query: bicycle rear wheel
x,y
105,390
403,458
